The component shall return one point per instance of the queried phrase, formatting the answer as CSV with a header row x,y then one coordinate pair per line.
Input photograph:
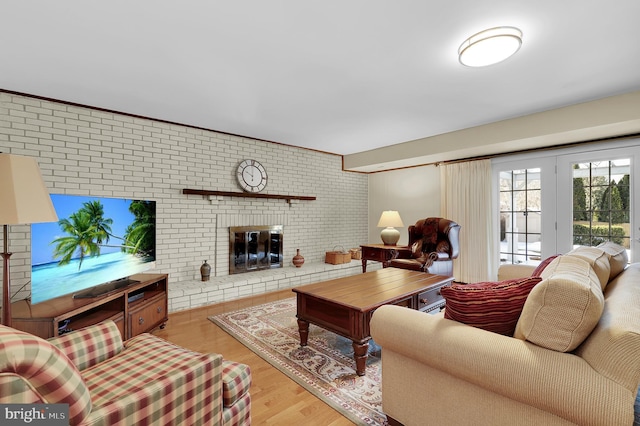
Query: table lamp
x,y
388,220
24,199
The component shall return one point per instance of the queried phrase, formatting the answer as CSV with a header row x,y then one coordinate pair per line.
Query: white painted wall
x,y
413,192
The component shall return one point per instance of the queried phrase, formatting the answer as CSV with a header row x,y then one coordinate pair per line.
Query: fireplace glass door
x,y
254,248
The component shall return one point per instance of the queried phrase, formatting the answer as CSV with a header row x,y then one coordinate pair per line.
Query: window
x,y
520,216
601,202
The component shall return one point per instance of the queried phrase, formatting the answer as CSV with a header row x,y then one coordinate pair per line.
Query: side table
x,y
382,253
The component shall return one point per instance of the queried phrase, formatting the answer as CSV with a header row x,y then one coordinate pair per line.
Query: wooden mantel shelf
x,y
247,195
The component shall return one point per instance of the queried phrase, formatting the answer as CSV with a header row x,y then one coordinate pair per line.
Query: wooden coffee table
x,y
345,305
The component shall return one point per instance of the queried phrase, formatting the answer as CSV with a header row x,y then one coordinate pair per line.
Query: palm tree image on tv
x,y
88,231
140,236
98,240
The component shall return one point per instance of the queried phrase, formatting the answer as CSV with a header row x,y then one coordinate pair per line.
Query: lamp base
x,y
390,236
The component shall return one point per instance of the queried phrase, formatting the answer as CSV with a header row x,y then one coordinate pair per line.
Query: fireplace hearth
x,y
254,248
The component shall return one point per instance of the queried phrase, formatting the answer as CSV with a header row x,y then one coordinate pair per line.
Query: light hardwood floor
x,y
275,399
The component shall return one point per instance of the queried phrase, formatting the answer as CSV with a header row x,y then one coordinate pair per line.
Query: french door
x,y
525,208
595,198
551,201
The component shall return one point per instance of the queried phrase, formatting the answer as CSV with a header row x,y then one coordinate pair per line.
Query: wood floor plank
x,y
275,399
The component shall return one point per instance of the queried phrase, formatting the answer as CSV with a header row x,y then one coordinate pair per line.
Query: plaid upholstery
x,y
239,414
89,346
236,381
148,382
155,382
15,390
31,368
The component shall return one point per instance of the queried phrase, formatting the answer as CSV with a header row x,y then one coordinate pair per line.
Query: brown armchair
x,y
434,244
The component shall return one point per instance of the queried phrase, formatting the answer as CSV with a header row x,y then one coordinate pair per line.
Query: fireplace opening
x,y
254,248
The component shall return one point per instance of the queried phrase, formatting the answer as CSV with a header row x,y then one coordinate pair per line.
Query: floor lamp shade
x,y
389,220
24,199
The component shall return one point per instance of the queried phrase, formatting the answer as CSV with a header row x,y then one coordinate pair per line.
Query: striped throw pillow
x,y
491,306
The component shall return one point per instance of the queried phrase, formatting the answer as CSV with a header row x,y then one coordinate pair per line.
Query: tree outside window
x,y
601,203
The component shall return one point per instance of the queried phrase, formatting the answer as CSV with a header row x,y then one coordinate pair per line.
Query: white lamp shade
x,y
390,218
24,197
490,46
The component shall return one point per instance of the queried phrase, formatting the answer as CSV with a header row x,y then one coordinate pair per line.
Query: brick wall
x,y
85,151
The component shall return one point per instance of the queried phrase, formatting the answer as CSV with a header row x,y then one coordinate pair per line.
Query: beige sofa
x,y
439,371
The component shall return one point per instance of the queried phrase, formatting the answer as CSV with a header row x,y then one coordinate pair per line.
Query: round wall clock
x,y
252,176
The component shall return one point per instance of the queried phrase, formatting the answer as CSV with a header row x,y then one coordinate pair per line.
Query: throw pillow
x,y
538,271
492,306
563,309
618,258
597,259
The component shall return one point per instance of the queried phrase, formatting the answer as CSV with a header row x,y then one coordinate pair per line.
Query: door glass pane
x,y
506,181
533,179
601,203
520,216
505,201
533,200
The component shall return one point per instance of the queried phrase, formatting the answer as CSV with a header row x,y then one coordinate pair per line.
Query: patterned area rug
x,y
325,367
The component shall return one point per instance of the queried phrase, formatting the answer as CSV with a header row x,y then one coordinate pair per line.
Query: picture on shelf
x,y
96,241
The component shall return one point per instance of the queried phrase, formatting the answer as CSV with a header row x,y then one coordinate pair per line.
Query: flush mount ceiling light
x,y
490,46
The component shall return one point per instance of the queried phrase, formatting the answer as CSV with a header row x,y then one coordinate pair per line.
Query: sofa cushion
x,y
597,259
562,309
89,346
492,306
153,381
511,271
236,381
610,349
541,267
49,373
618,258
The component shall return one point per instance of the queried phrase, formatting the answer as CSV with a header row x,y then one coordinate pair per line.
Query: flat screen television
x,y
95,246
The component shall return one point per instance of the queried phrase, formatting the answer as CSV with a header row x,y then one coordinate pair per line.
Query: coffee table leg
x,y
303,329
360,351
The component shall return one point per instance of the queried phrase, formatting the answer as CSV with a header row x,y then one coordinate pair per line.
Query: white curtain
x,y
466,199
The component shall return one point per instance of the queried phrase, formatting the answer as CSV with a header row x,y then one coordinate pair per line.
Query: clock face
x,y
252,176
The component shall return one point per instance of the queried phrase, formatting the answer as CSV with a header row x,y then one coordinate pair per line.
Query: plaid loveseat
x,y
143,381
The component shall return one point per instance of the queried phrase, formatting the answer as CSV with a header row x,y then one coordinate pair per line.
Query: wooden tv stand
x,y
136,308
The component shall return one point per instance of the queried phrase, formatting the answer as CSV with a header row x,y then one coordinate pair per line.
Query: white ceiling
x,y
335,76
